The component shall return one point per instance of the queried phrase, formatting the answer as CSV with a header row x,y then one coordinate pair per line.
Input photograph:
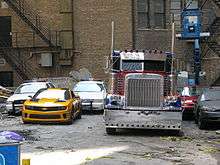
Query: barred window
x,y
151,14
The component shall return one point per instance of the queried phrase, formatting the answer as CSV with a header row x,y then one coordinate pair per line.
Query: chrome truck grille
x,y
144,90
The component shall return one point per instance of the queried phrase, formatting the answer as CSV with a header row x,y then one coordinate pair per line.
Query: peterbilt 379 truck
x,y
140,93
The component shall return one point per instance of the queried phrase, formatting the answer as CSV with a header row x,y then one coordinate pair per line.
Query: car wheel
x,y
201,123
110,131
79,116
11,113
26,122
196,118
71,118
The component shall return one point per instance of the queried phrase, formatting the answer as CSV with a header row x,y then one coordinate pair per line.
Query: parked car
x,y
52,105
3,100
208,107
189,96
92,94
24,92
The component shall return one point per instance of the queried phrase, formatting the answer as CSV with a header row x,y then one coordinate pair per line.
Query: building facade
x,y
50,38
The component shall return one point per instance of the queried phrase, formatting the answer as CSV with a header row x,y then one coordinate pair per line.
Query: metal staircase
x,y
213,42
217,2
24,70
27,13
212,45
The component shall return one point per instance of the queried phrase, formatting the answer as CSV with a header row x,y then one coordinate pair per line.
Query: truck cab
x,y
140,89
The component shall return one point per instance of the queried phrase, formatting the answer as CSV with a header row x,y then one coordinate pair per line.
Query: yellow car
x,y
52,105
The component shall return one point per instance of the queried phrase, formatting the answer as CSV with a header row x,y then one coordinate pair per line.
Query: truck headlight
x,y
115,100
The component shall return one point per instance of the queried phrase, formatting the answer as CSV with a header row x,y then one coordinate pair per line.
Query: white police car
x,y
92,94
24,92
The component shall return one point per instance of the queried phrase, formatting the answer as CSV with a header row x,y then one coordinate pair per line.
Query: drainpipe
x,y
72,17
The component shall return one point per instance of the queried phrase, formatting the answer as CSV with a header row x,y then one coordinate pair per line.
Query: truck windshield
x,y
132,65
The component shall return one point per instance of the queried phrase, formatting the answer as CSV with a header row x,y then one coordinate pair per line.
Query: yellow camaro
x,y
52,105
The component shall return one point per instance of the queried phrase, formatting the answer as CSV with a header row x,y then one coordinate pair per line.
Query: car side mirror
x,y
77,96
31,97
74,95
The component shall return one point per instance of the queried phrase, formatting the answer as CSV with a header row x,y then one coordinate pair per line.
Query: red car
x,y
189,98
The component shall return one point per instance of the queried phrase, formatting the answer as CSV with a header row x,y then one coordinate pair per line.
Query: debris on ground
x,y
147,156
107,157
210,150
10,136
173,138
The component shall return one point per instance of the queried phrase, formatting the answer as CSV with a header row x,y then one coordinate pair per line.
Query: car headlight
x,y
28,107
9,102
206,108
61,108
98,101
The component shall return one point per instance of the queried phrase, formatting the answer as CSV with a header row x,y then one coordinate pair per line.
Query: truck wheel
x,y
184,117
110,131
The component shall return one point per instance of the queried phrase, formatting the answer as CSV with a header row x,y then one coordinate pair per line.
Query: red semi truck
x,y
140,92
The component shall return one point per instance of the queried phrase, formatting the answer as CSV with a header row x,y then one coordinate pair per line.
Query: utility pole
x,y
172,53
113,37
109,58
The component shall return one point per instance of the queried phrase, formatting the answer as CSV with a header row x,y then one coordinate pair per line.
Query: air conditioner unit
x,y
46,60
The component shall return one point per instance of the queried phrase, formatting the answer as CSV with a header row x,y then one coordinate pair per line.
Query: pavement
x,y
86,142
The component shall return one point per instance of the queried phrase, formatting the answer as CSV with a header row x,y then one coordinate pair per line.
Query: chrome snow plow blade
x,y
146,119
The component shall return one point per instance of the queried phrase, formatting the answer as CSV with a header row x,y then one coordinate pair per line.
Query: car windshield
x,y
29,88
211,95
88,87
52,94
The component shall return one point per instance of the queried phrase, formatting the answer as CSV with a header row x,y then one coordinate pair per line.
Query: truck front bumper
x,y
143,119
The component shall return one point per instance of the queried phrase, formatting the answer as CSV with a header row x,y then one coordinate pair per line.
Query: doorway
x,y
5,31
6,79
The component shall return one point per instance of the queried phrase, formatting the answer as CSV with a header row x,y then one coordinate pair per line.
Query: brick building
x,y
49,38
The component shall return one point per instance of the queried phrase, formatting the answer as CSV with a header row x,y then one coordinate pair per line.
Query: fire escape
x,y
31,17
213,44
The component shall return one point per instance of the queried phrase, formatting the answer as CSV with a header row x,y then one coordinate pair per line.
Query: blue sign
x,y
9,154
191,24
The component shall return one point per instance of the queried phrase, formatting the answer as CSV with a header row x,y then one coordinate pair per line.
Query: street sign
x,y
10,154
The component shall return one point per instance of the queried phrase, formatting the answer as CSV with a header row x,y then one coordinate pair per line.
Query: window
x,y
151,14
143,14
159,13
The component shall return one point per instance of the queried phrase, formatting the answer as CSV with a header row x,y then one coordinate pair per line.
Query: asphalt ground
x,y
86,142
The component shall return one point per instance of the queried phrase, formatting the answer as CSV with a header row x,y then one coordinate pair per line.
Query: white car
x,y
24,92
92,94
